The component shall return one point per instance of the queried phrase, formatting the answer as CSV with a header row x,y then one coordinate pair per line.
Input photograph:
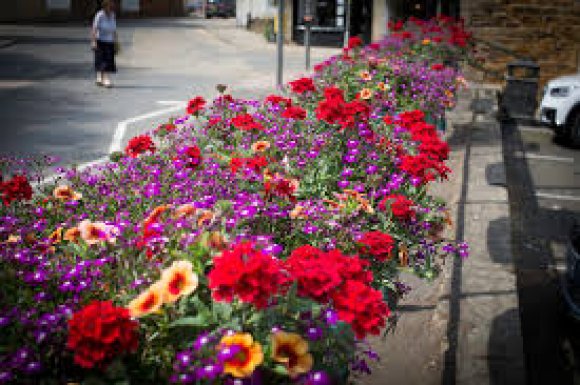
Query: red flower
x,y
400,206
193,156
247,273
195,105
319,274
302,85
165,128
320,66
437,67
214,120
362,307
354,42
138,145
246,122
422,166
315,276
15,189
235,164
377,244
294,112
395,27
257,163
99,332
276,100
333,108
433,147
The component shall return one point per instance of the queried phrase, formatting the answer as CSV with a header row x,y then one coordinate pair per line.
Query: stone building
x,y
546,31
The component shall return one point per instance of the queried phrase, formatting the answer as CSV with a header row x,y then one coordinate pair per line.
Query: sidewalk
x,y
464,328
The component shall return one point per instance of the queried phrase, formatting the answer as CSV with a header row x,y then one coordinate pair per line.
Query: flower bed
x,y
248,241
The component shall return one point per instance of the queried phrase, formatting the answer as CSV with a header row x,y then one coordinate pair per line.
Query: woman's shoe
x,y
107,83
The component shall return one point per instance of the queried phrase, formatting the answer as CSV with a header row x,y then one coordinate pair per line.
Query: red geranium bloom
x,y
256,163
138,145
377,244
395,27
193,156
362,307
294,112
437,67
317,277
195,105
422,166
433,147
400,206
302,85
213,121
354,42
235,164
249,274
15,189
166,127
246,122
319,274
277,99
100,332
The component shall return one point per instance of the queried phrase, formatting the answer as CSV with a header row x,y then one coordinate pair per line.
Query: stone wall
x,y
547,31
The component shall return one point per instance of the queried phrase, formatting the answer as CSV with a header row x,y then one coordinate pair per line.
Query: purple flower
x,y
314,333
372,169
330,317
310,229
209,371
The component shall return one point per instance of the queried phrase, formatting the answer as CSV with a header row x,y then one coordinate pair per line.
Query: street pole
x,y
307,24
347,23
280,44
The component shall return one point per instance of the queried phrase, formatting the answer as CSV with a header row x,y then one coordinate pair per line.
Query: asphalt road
x,y
543,181
49,103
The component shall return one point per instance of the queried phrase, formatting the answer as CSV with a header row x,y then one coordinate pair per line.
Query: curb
x,y
4,43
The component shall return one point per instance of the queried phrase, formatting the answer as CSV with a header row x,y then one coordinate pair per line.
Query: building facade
x,y
41,10
547,32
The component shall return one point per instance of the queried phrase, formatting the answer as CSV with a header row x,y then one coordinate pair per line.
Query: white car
x,y
560,107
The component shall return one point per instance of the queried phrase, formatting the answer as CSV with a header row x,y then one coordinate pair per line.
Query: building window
x,y
327,14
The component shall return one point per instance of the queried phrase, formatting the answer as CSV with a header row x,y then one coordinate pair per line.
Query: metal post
x,y
307,24
346,23
280,43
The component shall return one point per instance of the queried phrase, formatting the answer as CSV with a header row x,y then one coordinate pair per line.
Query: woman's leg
x,y
99,78
107,79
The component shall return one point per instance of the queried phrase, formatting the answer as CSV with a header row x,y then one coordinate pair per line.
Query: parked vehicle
x,y
220,8
560,107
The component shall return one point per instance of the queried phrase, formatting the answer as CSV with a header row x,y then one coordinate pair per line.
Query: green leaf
x,y
197,321
281,370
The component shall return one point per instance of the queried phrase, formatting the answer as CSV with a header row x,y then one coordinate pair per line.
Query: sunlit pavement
x,y
50,104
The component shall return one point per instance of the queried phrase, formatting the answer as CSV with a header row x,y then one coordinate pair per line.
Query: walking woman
x,y
104,40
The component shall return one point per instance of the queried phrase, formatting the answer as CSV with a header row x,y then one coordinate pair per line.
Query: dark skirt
x,y
105,57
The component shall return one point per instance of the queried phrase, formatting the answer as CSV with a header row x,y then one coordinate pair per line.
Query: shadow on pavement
x,y
533,230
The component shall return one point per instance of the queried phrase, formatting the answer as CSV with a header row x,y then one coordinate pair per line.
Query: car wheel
x,y
561,134
574,128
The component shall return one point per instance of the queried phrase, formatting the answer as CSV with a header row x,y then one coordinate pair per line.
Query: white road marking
x,y
122,126
547,157
119,134
171,102
540,194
